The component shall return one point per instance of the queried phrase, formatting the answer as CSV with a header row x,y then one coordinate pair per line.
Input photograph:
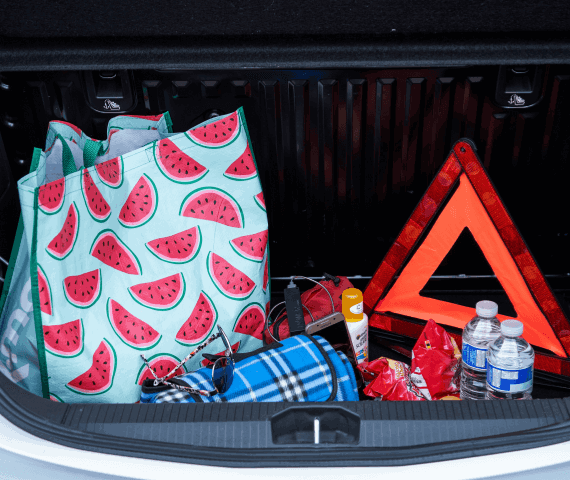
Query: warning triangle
x,y
462,196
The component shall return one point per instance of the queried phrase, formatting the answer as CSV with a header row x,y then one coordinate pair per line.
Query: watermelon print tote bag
x,y
147,253
18,346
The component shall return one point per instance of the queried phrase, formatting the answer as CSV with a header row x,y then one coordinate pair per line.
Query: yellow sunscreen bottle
x,y
356,322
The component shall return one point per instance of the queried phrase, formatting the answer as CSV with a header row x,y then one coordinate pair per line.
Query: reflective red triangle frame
x,y
463,160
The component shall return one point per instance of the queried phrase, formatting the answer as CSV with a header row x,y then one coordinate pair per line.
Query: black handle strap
x,y
334,391
148,387
238,357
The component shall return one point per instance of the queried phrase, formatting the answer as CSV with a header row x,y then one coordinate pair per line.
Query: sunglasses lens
x,y
223,374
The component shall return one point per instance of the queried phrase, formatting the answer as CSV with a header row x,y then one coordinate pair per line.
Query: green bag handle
x,y
91,151
67,160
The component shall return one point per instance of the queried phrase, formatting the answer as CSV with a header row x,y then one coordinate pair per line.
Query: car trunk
x,y
349,132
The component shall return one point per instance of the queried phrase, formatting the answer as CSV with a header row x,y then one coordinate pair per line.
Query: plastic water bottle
x,y
510,364
482,330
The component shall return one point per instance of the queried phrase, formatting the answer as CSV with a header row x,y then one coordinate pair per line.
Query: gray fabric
x,y
54,168
124,141
18,351
120,143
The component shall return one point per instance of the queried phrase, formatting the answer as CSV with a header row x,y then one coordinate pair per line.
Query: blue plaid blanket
x,y
294,371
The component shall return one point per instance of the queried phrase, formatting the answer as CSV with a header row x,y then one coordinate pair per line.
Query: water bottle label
x,y
474,357
509,381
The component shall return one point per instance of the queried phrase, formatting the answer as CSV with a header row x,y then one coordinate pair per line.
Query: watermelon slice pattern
x,y
99,378
96,204
251,247
131,330
266,275
163,294
175,164
200,322
83,290
260,201
243,168
65,340
141,204
178,248
44,289
215,205
97,270
51,196
217,134
230,281
111,172
251,321
109,248
62,244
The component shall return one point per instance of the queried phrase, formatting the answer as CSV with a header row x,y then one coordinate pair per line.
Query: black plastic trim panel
x,y
238,435
299,52
46,19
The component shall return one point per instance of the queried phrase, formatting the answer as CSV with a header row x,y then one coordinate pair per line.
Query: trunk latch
x,y
110,91
519,86
315,425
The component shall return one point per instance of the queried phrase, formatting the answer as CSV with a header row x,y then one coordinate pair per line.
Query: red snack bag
x,y
391,380
317,301
435,362
371,370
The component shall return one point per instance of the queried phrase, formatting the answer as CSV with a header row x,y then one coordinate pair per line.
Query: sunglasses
x,y
222,370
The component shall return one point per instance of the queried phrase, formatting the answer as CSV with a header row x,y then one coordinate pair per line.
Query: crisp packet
x,y
436,362
389,380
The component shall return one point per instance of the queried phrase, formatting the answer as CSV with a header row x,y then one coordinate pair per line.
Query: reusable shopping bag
x,y
146,252
18,346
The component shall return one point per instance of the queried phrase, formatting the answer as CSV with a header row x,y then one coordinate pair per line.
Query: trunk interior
x,y
344,156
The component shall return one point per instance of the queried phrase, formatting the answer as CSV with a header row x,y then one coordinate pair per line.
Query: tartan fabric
x,y
293,372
